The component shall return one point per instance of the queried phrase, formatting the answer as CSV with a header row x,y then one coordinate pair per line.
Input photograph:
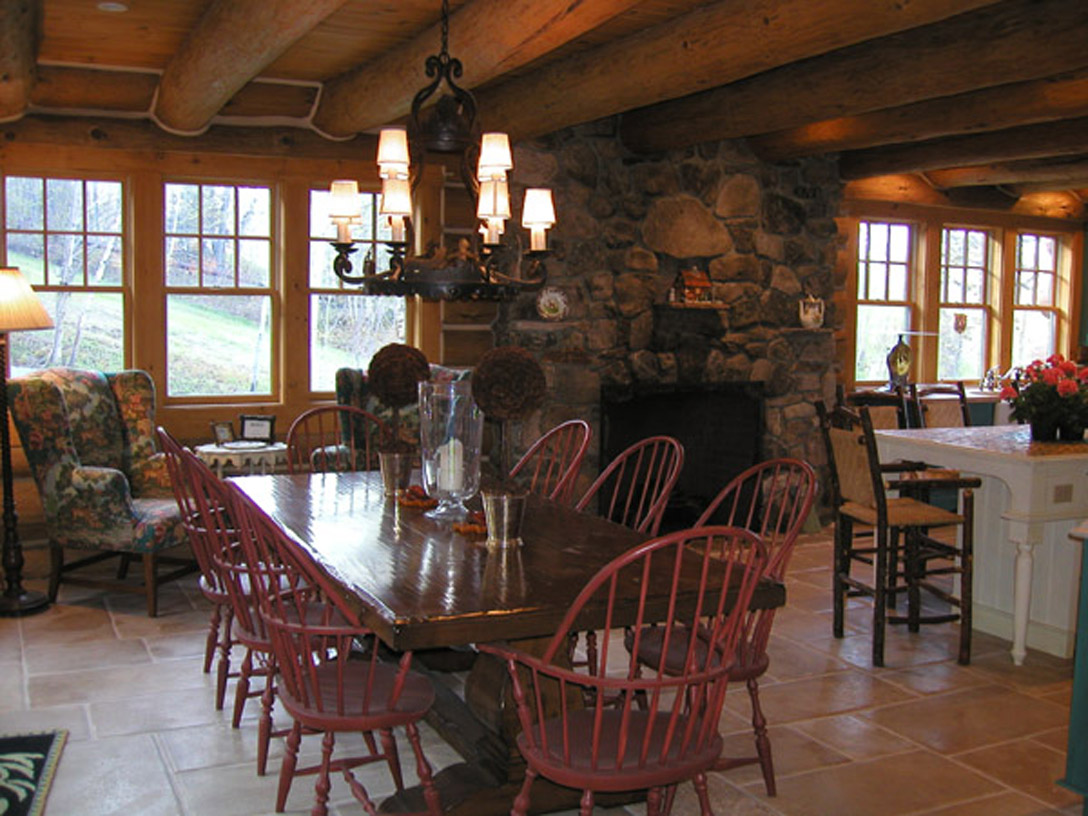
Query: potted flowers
x,y
1053,397
393,376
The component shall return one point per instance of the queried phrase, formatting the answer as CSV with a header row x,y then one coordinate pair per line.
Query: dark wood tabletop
x,y
419,584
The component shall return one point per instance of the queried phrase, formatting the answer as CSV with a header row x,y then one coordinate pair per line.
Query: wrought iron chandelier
x,y
485,268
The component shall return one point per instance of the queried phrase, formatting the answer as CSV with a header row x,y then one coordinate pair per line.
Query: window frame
x,y
928,224
273,290
123,288
379,236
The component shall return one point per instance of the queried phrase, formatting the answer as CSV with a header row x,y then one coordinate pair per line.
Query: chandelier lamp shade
x,y
20,310
491,266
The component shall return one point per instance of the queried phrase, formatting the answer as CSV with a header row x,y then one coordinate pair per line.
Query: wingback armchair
x,y
89,439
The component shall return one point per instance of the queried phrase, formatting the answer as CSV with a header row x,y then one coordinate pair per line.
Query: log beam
x,y
90,89
1065,173
132,135
713,45
20,22
491,37
1004,106
230,45
1023,40
1067,138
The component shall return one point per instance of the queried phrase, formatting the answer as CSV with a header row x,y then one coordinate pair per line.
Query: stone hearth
x,y
765,236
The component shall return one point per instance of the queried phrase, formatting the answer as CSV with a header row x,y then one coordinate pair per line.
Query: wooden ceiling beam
x,y
66,88
490,37
20,24
230,45
711,46
1043,100
1016,41
1044,141
1052,174
142,135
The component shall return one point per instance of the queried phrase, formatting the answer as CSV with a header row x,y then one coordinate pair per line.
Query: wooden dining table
x,y
423,587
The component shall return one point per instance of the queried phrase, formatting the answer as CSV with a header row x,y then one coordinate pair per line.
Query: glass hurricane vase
x,y
451,431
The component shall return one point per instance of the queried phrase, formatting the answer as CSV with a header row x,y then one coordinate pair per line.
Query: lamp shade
x,y
396,197
494,200
344,200
393,153
20,308
538,210
495,158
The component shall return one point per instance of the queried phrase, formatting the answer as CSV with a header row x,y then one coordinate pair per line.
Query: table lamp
x,y
20,310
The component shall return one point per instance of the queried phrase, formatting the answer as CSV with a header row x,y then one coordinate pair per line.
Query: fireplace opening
x,y
720,427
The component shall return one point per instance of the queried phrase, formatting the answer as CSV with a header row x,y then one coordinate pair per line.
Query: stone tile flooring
x,y
922,735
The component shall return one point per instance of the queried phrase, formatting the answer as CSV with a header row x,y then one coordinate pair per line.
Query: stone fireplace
x,y
763,235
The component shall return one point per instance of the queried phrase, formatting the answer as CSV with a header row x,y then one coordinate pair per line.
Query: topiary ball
x,y
508,383
394,374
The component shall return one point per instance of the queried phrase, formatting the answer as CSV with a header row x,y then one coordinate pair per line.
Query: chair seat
x,y
903,512
215,594
158,526
650,644
329,712
608,774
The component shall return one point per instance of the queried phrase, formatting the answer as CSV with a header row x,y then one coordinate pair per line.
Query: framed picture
x,y
222,432
258,427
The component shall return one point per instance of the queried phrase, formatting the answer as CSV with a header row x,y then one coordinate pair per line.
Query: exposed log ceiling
x,y
18,52
975,100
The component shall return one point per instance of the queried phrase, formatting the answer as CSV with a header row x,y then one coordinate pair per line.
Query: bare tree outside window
x,y
66,235
347,327
219,290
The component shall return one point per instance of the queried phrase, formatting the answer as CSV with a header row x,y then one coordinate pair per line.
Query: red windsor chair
x,y
334,438
333,677
694,579
552,462
771,499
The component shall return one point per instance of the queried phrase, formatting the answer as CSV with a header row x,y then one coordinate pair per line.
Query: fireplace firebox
x,y
719,425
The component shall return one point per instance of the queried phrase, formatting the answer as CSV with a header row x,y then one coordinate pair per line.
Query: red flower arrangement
x,y
1051,394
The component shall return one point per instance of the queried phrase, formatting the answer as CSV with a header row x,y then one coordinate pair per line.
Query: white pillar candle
x,y
451,458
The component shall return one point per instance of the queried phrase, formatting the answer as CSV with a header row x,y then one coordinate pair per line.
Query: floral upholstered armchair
x,y
89,439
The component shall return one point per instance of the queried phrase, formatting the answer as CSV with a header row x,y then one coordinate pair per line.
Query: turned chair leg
x,y
763,742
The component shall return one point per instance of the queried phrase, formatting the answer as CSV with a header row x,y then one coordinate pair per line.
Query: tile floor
x,y
922,735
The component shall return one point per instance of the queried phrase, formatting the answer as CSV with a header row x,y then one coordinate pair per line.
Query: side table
x,y
243,457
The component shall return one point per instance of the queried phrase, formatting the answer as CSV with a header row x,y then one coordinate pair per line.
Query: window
x,y
965,265
66,235
974,297
219,290
884,287
346,326
1035,316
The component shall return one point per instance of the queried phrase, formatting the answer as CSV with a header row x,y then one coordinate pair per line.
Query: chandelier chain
x,y
445,28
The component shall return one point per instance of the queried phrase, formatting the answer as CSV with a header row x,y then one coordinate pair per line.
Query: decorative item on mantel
x,y
810,311
1053,397
393,376
691,286
508,384
494,270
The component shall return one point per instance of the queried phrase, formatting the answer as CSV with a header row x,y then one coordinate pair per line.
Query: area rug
x,y
27,763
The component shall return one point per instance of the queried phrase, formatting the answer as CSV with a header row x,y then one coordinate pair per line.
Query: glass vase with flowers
x,y
1053,397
